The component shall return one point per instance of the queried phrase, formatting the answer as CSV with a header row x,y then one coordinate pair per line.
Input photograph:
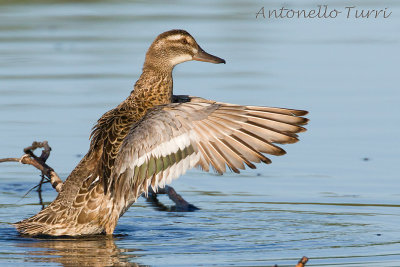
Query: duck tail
x,y
46,222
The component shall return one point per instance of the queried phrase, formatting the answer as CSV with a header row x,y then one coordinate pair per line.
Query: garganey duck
x,y
153,137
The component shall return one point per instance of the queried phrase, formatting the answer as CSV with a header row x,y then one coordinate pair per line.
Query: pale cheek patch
x,y
180,59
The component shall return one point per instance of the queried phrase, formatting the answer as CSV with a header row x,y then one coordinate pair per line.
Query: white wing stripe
x,y
162,150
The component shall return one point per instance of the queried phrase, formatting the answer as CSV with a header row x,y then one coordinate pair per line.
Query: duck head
x,y
176,46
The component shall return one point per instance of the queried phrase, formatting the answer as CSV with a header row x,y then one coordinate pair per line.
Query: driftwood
x,y
50,176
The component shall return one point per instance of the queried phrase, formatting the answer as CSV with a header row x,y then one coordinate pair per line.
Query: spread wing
x,y
174,138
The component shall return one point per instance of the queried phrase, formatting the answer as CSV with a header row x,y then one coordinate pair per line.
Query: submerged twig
x,y
36,186
39,163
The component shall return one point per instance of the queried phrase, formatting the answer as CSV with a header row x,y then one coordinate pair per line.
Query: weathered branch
x,y
39,163
9,160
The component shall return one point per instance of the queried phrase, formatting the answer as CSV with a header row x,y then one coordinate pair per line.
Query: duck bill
x,y
206,57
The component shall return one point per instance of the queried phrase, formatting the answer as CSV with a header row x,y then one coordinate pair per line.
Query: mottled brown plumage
x,y
147,141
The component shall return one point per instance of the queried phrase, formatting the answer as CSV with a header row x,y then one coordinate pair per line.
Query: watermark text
x,y
324,12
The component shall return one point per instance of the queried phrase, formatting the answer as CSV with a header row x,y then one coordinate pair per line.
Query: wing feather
x,y
173,138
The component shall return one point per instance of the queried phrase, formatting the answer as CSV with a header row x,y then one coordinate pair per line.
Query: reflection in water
x,y
89,251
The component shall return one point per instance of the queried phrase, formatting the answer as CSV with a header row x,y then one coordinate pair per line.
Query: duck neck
x,y
154,86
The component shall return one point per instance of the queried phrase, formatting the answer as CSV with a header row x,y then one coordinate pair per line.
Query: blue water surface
x,y
334,197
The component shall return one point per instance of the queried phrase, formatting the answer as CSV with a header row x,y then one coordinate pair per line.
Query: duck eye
x,y
185,41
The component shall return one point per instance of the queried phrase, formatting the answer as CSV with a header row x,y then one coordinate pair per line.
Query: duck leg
x,y
181,205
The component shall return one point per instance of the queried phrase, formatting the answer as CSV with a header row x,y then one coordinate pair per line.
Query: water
x,y
334,197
